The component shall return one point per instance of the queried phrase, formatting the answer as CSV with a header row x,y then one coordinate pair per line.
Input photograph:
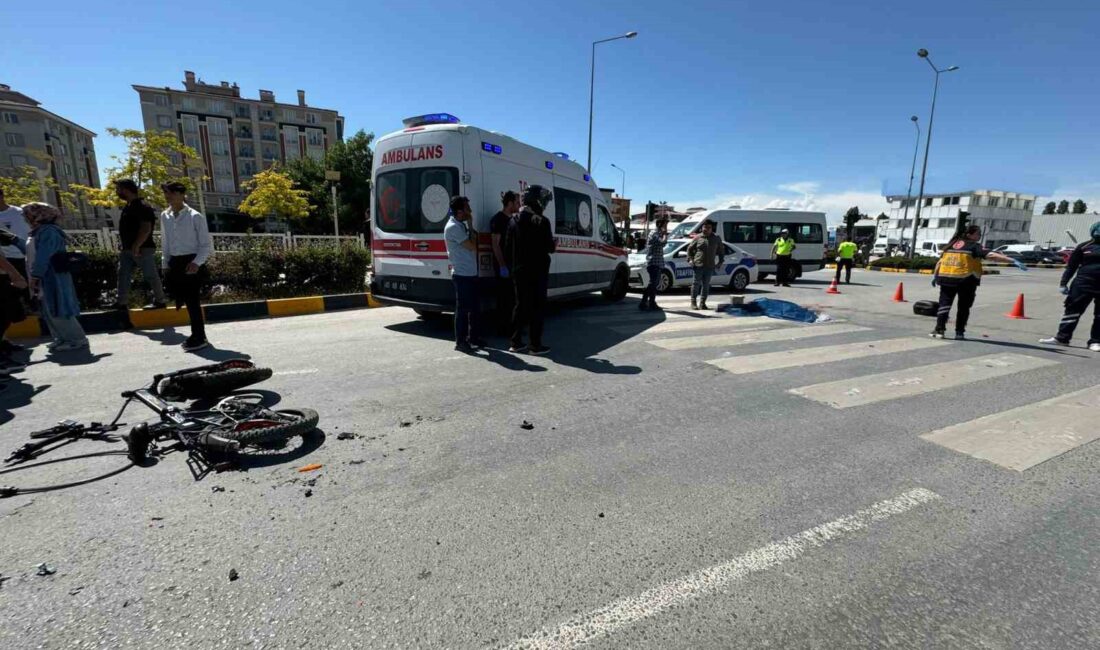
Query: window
x,y
19,161
217,106
188,103
193,142
1027,205
15,140
807,233
248,167
11,118
928,203
242,110
68,170
1010,202
221,167
227,202
311,118
246,151
945,200
771,231
739,233
415,200
217,127
63,148
924,223
994,201
267,114
315,137
224,185
947,223
267,133
164,121
190,124
606,227
160,100
219,146
572,213
997,224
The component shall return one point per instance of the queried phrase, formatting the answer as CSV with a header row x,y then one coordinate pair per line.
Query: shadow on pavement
x,y
1029,346
81,357
166,336
16,393
310,442
214,353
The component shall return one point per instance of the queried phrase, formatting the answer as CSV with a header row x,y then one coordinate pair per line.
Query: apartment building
x,y
1004,217
237,136
58,148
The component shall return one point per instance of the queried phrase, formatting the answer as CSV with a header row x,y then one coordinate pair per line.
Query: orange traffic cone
x,y
832,287
1018,308
899,295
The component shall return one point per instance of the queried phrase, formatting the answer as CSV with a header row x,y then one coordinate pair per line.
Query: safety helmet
x,y
537,198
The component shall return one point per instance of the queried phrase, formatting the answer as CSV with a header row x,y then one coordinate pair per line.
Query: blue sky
x,y
788,102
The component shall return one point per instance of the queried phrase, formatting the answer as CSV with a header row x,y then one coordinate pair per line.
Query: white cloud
x,y
833,204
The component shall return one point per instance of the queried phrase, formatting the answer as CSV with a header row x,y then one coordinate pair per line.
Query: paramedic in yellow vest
x,y
958,273
845,257
782,250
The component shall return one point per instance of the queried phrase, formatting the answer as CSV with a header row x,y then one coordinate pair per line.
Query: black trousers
x,y
782,269
505,292
12,300
649,294
1076,303
844,264
966,291
530,311
186,289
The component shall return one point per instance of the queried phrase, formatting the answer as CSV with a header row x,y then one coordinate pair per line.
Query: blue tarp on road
x,y
773,309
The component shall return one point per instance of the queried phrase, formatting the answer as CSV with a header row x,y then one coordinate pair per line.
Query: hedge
x,y
905,262
255,273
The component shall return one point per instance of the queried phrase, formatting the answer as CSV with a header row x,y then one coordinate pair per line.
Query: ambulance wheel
x,y
618,288
740,280
428,315
664,285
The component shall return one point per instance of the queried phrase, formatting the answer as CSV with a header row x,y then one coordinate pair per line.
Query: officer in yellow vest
x,y
958,273
782,250
845,257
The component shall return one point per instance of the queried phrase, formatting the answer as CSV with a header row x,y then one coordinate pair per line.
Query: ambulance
x,y
435,157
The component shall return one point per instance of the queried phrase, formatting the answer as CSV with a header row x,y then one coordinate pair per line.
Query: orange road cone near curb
x,y
899,295
1018,308
832,287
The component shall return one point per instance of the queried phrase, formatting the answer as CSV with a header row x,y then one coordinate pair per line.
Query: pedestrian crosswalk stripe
x,y
880,387
1025,436
634,316
759,336
727,322
824,354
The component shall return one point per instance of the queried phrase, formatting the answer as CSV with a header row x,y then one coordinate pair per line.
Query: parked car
x,y
1034,257
737,272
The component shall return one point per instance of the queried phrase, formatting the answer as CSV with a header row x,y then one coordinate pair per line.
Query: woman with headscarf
x,y
1084,262
958,274
50,280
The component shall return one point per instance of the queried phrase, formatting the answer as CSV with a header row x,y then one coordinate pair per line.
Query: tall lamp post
x,y
923,53
592,90
623,172
912,172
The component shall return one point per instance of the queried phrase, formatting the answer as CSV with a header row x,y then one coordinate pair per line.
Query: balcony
x,y
269,137
246,153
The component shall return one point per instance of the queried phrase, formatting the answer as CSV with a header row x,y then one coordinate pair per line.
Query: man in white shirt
x,y
462,252
186,245
11,220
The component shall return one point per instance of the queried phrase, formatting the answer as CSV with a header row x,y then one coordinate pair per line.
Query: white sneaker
x,y
1053,340
1095,347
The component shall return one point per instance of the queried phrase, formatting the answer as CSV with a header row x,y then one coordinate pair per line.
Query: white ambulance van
x,y
435,157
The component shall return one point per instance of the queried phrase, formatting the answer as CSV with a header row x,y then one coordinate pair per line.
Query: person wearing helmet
x,y
529,243
1084,263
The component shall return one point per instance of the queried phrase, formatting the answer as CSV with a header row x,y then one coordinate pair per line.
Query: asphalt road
x,y
673,491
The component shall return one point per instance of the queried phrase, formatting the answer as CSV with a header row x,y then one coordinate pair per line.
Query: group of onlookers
x,y
37,266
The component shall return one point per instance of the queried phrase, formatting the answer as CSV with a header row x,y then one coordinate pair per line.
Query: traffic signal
x,y
650,210
964,221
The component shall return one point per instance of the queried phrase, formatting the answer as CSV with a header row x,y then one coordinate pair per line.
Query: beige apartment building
x,y
237,136
58,148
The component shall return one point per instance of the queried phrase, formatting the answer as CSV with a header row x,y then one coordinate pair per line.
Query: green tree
x,y
1079,207
1063,206
27,183
272,191
152,158
353,158
850,219
309,176
1049,208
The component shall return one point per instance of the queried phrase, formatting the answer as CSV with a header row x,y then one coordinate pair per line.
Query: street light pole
x,y
923,53
912,172
623,171
592,90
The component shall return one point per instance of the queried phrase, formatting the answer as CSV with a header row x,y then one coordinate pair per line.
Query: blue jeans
x,y
650,293
701,285
467,307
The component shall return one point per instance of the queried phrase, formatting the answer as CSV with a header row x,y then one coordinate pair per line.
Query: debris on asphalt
x,y
76,590
346,435
309,493
217,488
338,583
600,515
157,518
424,575
400,449
311,482
311,467
3,579
233,575
527,425
44,569
357,461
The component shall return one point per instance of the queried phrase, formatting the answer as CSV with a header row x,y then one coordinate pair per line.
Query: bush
x,y
253,273
905,263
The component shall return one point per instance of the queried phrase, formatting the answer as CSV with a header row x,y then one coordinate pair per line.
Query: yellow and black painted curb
x,y
113,321
1030,266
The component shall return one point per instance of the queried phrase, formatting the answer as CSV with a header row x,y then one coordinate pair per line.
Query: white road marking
x,y
869,389
761,336
622,613
635,316
825,354
1025,436
727,322
305,371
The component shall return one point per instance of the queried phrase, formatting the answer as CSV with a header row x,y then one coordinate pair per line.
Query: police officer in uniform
x,y
1084,262
782,251
958,273
529,242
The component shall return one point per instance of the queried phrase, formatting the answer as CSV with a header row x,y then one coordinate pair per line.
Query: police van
x,y
756,230
435,157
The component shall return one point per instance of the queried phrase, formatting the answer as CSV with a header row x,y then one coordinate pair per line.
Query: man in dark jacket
x,y
529,242
1084,262
136,245
702,253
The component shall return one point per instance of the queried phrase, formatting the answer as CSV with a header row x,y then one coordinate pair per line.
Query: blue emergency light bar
x,y
587,178
549,165
491,148
430,118
561,154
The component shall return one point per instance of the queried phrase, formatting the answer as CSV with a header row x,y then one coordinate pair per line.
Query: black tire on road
x,y
666,283
619,286
740,280
298,422
212,384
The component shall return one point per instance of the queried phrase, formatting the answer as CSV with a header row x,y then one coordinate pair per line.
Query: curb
x,y
98,322
1030,266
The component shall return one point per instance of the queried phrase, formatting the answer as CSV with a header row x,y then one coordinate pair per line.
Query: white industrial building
x,y
1004,217
1050,230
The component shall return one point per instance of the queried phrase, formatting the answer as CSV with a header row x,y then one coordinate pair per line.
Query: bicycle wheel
x,y
269,427
205,384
